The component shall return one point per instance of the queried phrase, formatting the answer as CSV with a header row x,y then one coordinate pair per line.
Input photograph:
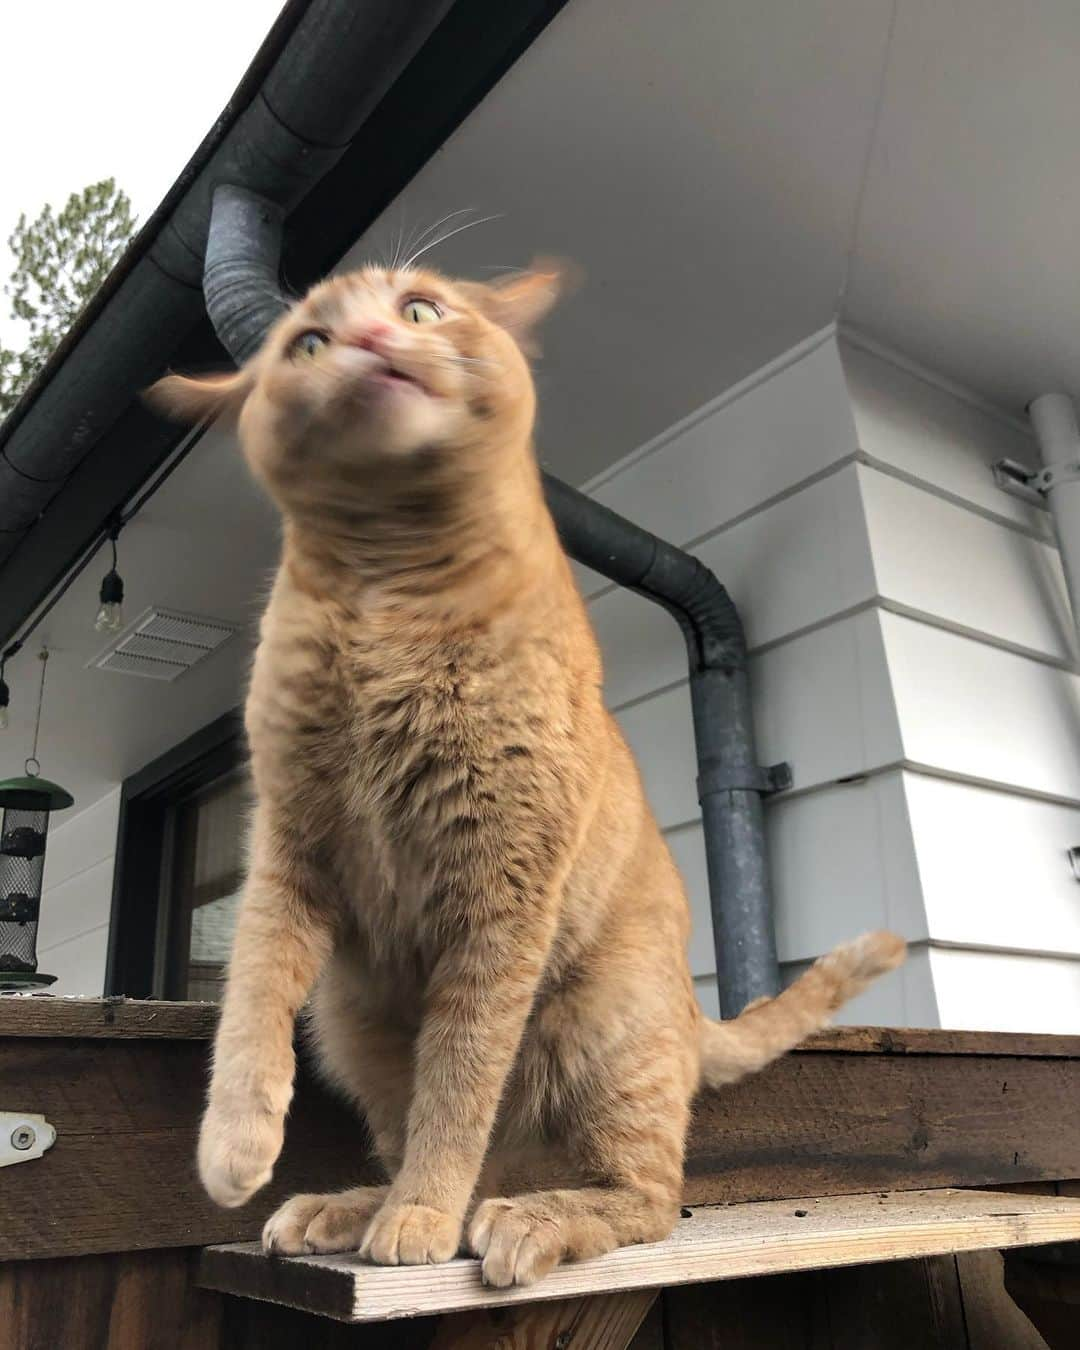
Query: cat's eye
x,y
309,343
420,311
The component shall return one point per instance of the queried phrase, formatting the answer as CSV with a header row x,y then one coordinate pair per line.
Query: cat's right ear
x,y
191,398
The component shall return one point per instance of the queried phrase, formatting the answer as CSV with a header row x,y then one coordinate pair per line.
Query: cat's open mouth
x,y
384,373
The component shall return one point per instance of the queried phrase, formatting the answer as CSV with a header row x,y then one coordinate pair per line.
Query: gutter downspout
x,y
1054,419
338,63
243,299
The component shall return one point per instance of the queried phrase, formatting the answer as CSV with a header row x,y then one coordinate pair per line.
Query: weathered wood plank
x,y
897,1306
930,1041
121,1174
817,1124
107,1019
993,1320
724,1242
606,1322
1049,1294
121,1019
771,1312
128,1301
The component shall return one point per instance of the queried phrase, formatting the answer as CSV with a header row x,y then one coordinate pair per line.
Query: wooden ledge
x,y
712,1243
153,1019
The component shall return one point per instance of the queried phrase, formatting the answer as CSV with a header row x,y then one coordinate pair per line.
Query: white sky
x,y
114,88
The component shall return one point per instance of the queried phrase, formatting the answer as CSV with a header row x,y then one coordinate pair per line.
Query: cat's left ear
x,y
190,398
520,301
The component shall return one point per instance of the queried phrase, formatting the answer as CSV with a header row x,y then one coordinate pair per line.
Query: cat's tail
x,y
770,1027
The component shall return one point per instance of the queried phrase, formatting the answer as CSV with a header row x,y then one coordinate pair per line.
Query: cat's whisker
x,y
434,243
416,240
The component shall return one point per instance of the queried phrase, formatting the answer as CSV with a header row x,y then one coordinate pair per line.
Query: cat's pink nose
x,y
370,336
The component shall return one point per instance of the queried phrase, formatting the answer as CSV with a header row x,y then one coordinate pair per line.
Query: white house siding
x,y
76,897
982,659
912,657
763,486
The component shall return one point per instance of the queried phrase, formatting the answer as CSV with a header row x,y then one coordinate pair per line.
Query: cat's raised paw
x,y
322,1223
515,1242
237,1153
411,1235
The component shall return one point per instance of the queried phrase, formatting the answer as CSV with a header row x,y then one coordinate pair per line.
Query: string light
x,y
110,617
111,596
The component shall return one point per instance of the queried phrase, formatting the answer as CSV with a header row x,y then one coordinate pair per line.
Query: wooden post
x,y
604,1322
1045,1284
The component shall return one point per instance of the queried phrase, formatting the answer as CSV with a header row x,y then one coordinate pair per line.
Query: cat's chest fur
x,y
406,732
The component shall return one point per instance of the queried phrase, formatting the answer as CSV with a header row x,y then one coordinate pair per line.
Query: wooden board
x,y
828,1121
603,1322
717,1243
121,1175
899,1305
128,1301
993,1320
107,1018
159,1019
822,1124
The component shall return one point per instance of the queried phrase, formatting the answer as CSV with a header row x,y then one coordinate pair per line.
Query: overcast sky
x,y
114,88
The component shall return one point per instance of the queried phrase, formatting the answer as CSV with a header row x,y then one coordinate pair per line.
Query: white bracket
x,y
23,1136
1032,485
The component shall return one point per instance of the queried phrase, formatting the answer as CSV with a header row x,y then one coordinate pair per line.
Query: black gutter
x,y
328,126
243,295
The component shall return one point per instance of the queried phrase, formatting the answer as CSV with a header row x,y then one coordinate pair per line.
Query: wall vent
x,y
161,645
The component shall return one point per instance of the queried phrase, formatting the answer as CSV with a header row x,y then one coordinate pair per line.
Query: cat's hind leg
x,y
629,1134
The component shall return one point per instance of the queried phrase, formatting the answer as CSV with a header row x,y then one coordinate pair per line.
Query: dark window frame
x,y
142,935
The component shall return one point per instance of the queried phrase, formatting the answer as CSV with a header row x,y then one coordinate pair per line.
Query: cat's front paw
x,y
411,1235
237,1151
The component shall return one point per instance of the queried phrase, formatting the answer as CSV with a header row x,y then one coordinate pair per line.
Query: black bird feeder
x,y
27,804
24,827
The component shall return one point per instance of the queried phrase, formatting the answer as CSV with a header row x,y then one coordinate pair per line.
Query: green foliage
x,y
61,258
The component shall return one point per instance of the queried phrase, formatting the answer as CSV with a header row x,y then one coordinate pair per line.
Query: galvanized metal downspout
x,y
243,299
1056,485
730,782
1054,418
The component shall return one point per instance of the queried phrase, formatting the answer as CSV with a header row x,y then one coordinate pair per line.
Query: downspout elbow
x,y
240,279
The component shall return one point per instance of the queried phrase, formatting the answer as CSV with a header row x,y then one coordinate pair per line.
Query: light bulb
x,y
110,617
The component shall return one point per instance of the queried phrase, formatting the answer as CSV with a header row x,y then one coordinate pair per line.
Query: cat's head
x,y
379,371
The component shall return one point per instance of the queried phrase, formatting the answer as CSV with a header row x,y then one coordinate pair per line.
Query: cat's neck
x,y
464,549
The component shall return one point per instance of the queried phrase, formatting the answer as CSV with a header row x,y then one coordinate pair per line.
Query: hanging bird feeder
x,y
27,804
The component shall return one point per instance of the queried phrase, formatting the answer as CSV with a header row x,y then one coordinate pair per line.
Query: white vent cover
x,y
161,645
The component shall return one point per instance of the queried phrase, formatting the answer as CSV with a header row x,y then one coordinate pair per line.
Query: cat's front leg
x,y
283,937
476,1008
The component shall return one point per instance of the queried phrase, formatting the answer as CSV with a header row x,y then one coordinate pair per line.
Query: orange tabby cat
x,y
452,855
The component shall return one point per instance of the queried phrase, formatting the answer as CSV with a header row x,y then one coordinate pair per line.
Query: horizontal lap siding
x,y
908,627
998,875
936,437
77,897
982,658
765,491
1006,991
948,564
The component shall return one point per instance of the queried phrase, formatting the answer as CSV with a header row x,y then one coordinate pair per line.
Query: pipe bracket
x,y
775,778
1032,485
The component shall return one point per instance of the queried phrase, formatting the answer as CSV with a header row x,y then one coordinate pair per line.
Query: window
x,y
180,861
203,885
